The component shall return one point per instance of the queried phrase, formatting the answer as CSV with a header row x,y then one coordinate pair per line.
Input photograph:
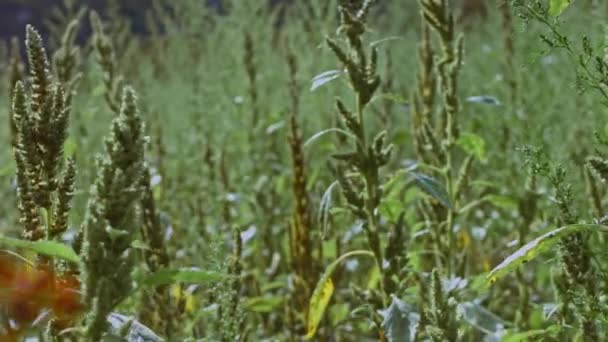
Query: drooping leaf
x,y
49,248
326,131
480,318
399,322
384,40
433,188
323,292
535,247
325,206
556,7
473,144
185,275
324,78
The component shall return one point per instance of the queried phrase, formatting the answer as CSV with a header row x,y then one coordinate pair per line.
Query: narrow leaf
x,y
49,248
264,304
535,247
484,99
325,131
324,78
503,201
325,206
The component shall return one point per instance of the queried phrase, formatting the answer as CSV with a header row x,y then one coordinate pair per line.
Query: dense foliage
x,y
342,170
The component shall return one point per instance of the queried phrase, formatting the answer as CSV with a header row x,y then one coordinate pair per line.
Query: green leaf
x,y
473,144
184,275
7,170
433,188
391,209
522,336
503,201
556,7
535,247
324,78
397,324
69,147
526,335
138,244
323,292
49,248
264,304
397,98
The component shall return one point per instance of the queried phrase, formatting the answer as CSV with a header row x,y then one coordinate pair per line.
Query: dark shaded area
x,y
15,14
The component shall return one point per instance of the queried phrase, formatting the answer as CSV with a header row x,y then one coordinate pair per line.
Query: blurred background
x,y
15,14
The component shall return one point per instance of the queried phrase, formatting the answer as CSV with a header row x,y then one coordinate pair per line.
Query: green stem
x,y
370,174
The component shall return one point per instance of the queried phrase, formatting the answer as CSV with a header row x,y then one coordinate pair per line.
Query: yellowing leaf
x,y
535,247
318,304
464,239
323,292
556,7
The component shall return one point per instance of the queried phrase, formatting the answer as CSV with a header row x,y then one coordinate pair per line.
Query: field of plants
x,y
325,170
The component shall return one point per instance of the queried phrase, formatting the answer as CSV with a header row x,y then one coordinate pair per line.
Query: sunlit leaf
x,y
49,248
69,147
556,7
324,78
473,144
535,247
433,188
323,292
